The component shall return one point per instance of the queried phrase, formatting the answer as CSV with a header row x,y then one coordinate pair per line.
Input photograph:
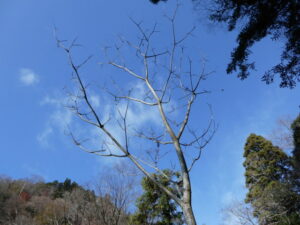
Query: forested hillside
x,y
25,202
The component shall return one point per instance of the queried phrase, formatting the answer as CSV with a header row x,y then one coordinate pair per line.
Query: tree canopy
x,y
270,183
276,18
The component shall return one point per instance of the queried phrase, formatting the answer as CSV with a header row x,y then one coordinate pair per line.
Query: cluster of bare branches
x,y
239,213
171,83
118,191
282,135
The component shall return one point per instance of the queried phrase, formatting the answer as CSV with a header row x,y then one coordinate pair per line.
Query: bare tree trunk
x,y
189,214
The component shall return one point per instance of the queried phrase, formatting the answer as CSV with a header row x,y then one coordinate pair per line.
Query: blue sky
x,y
34,74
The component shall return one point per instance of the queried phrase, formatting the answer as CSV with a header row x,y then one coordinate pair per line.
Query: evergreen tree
x,y
296,152
268,178
154,206
61,187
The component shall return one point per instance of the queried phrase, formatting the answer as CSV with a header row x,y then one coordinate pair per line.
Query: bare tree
x,y
282,134
239,213
169,85
116,190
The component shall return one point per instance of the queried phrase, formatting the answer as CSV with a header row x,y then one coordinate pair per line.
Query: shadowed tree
x,y
278,19
296,152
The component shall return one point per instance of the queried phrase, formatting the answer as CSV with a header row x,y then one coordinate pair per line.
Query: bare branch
x,y
188,34
155,139
137,100
96,152
84,62
201,146
152,166
127,70
187,116
156,55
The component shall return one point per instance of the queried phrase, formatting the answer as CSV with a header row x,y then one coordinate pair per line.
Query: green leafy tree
x,y
155,207
268,178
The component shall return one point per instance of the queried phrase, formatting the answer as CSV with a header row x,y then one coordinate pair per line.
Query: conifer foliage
x,y
296,137
270,183
154,206
278,19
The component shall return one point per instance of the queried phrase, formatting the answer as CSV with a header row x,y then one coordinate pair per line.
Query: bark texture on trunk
x,y
189,215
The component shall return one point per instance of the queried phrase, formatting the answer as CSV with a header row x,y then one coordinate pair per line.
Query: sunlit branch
x,y
127,70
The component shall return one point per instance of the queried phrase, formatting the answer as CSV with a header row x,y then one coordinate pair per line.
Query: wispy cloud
x,y
57,122
95,100
228,198
28,77
44,136
139,116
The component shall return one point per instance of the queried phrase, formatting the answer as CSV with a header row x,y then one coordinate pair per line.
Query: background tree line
x,y
272,178
105,201
109,201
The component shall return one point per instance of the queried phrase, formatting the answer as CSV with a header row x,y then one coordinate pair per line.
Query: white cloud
x,y
60,118
57,122
95,100
43,137
28,77
51,101
138,117
228,198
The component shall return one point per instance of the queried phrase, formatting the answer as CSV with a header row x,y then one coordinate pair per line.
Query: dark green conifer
x,y
296,152
268,179
154,206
